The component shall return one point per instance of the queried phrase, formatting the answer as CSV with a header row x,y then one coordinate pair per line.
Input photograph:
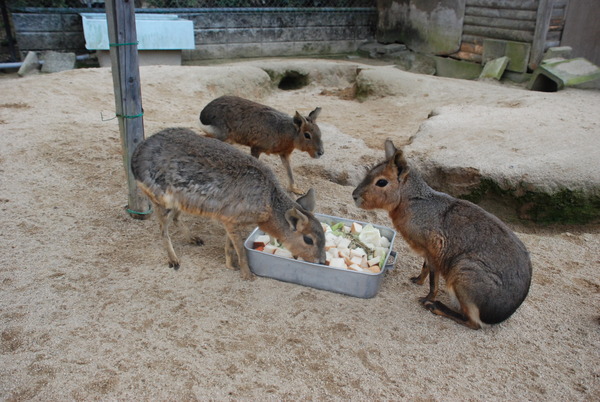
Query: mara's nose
x,y
320,152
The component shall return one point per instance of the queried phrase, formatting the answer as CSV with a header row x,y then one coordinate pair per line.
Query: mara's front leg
x,y
238,244
434,282
285,160
419,280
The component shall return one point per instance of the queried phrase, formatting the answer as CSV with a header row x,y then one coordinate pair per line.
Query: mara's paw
x,y
247,276
417,280
428,304
296,190
197,241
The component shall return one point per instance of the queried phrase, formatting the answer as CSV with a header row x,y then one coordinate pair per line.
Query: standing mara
x,y
263,129
180,170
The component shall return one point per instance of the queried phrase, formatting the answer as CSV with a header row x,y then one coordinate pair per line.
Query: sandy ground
x,y
89,309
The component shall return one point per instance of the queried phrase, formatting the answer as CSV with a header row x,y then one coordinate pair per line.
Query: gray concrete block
x,y
447,67
31,65
562,52
494,68
552,77
57,61
517,52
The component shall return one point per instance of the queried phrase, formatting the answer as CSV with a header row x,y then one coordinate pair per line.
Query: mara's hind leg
x,y
238,243
439,308
186,230
165,216
469,312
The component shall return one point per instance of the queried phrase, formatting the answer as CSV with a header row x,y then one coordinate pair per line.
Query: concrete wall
x,y
538,23
582,30
221,33
279,33
458,28
425,26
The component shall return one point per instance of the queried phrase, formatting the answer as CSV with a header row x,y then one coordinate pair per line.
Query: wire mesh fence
x,y
197,4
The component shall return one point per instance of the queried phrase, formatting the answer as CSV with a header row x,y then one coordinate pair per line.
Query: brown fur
x,y
180,170
263,129
484,264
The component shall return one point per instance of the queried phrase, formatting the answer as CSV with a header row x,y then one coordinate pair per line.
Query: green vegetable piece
x,y
337,227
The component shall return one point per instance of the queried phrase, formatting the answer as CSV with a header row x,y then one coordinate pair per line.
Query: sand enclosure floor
x,y
89,309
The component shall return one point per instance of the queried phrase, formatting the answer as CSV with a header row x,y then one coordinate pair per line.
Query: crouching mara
x,y
484,264
180,170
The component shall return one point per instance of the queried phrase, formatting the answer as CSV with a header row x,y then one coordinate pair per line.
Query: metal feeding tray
x,y
339,280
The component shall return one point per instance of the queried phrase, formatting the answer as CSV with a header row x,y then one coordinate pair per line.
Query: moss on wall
x,y
563,206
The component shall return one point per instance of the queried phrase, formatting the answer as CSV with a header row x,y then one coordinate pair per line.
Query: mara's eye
x,y
381,183
307,136
308,240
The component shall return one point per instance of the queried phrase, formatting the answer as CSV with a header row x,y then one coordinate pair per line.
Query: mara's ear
x,y
307,201
312,116
299,120
401,165
390,149
296,219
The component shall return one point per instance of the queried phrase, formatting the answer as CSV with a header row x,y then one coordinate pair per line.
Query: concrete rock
x,y
554,75
562,52
494,68
535,154
55,62
517,52
447,67
31,65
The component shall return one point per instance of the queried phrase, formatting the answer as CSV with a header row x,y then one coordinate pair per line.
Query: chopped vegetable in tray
x,y
354,247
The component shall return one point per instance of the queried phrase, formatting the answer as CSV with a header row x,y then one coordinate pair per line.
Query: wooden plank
x,y
59,41
550,44
471,48
541,31
498,33
467,56
556,25
24,22
559,12
475,39
527,15
554,36
122,35
513,4
500,23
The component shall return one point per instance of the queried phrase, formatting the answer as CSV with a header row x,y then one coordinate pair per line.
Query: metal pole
x,y
9,37
122,36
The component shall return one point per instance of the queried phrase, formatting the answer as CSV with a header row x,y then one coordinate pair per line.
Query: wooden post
x,y
542,25
8,30
122,37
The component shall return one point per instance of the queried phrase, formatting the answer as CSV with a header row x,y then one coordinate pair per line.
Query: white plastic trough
x,y
161,37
